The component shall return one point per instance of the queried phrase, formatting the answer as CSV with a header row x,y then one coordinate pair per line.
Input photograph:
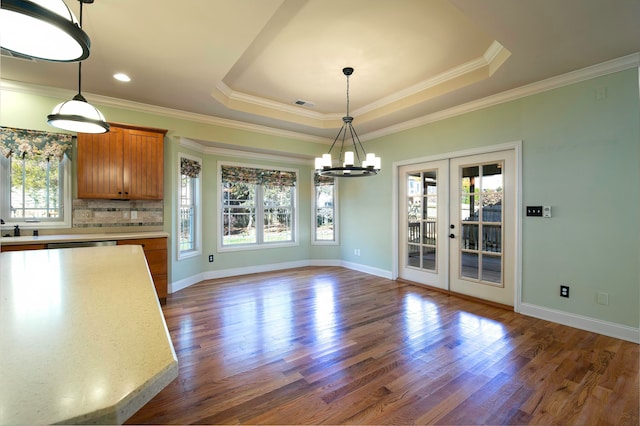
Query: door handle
x,y
451,236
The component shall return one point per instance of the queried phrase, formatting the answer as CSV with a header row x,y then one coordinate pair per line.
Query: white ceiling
x,y
250,60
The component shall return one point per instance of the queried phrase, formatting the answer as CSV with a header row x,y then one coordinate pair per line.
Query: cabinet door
x,y
143,164
100,165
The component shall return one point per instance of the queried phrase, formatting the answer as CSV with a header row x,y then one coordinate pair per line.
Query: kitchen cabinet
x,y
125,163
155,250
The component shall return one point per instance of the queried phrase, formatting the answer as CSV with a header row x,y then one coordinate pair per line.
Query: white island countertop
x,y
82,336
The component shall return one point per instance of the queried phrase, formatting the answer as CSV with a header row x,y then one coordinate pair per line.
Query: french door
x,y
457,225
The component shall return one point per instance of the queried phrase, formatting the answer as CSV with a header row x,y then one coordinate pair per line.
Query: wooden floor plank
x,y
328,345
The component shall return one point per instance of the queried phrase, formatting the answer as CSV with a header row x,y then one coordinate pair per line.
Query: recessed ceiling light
x,y
122,77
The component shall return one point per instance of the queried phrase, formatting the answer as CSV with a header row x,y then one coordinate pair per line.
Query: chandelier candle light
x,y
356,163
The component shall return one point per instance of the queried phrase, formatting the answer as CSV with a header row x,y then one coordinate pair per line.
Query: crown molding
x,y
491,54
250,153
33,89
599,70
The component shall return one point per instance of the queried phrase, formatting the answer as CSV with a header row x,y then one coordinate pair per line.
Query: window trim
x,y
66,207
219,207
336,220
197,250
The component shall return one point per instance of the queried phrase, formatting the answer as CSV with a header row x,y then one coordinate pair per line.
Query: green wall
x,y
580,154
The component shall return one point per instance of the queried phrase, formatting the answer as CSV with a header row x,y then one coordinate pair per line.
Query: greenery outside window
x,y
35,178
325,218
189,206
257,207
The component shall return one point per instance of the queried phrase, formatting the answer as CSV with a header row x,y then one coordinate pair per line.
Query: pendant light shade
x,y
355,163
78,115
42,29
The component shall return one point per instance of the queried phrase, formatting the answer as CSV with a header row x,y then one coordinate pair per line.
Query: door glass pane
x,y
413,184
431,212
430,182
492,185
469,237
492,238
429,258
414,233
469,265
429,233
413,255
470,193
469,207
491,268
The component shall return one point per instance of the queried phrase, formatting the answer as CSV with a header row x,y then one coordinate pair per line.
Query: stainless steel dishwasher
x,y
74,244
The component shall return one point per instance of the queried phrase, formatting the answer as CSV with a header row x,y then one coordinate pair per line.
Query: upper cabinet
x,y
125,163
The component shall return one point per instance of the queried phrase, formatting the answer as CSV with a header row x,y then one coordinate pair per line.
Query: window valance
x,y
24,143
190,168
258,176
319,180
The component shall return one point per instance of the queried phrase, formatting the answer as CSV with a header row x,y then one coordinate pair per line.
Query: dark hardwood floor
x,y
335,346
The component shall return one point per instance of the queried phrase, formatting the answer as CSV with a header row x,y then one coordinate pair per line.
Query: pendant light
x,y
42,29
356,163
77,115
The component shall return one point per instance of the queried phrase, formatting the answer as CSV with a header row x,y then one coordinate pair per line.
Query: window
x,y
35,178
324,220
189,212
258,207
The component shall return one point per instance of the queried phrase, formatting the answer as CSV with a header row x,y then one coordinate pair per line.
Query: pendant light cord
x,y
80,62
347,95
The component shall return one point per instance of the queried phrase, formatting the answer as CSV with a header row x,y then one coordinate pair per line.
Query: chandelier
x,y
355,163
78,115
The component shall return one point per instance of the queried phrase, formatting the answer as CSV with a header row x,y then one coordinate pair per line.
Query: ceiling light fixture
x,y
77,115
120,76
42,29
356,163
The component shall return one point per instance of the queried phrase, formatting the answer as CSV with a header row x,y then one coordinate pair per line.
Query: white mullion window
x,y
189,207
324,211
257,207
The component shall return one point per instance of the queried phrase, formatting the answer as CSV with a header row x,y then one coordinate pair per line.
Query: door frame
x,y
517,148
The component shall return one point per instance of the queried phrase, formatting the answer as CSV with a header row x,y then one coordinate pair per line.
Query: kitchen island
x,y
83,338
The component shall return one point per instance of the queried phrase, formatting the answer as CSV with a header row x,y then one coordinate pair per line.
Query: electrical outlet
x,y
210,258
564,291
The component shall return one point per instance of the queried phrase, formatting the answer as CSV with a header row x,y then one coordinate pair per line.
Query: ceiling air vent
x,y
10,54
304,103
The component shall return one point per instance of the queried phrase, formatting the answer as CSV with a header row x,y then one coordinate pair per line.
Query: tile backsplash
x,y
117,213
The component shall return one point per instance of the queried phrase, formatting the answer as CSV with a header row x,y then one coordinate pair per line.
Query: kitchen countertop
x,y
45,239
83,336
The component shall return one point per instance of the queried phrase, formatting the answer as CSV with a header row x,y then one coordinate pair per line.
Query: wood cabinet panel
x,y
100,165
124,163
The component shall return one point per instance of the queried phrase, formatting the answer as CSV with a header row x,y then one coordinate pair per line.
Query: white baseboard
x,y
232,272
618,331
367,269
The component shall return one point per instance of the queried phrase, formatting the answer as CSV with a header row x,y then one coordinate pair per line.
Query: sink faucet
x,y
16,231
